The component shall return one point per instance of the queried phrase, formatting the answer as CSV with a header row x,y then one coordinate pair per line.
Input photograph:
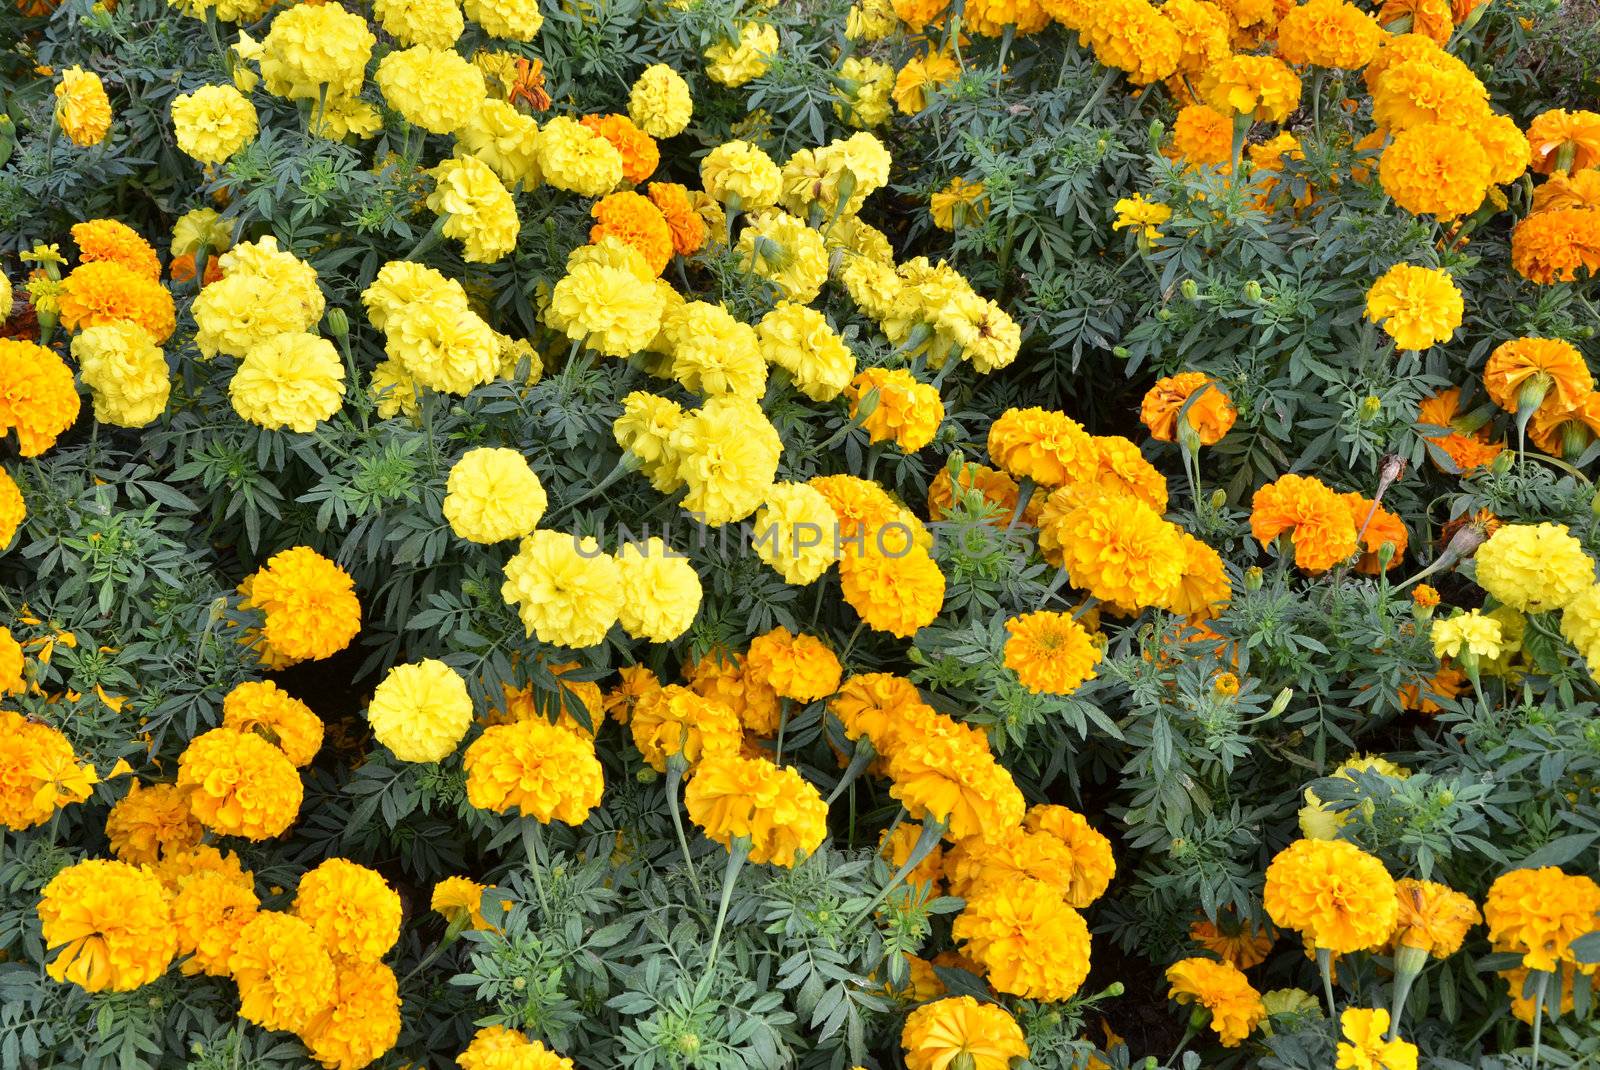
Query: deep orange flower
x,y
1211,416
1525,371
1565,432
635,221
1554,246
688,229
1467,451
1316,518
1558,133
1384,527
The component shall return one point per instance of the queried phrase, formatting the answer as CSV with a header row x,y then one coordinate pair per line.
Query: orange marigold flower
x,y
1580,189
1092,864
997,488
722,677
104,291
1223,990
674,720
1421,696
1263,87
1430,169
310,604
799,667
906,412
1332,892
1563,432
1210,417
1524,371
39,399
880,706
1051,653
941,769
1561,140
1419,91
688,229
1465,450
1027,940
1554,246
1120,468
1433,917
1202,29
640,157
1329,33
115,241
983,1035
1424,596
1539,912
1383,528
780,812
1202,135
635,221
1122,551
1047,447
894,594
1203,589
1316,518
1431,18
151,822
1233,941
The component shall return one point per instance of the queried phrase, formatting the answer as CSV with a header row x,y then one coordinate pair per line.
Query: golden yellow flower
x,y
352,908
238,784
113,923
151,821
1419,307
1335,894
284,972
983,1035
82,109
1223,990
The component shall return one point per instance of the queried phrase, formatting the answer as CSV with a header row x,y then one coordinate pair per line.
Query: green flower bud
x,y
338,322
1252,292
1190,289
1120,352
1371,405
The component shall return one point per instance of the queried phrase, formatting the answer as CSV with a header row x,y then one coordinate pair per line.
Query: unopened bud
x,y
1371,405
1280,703
338,322
1120,352
1190,289
1164,315
1252,578
1219,498
1252,292
1385,556
1188,437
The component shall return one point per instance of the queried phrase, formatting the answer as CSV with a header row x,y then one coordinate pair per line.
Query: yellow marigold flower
x,y
341,117
107,292
865,104
661,591
905,412
1538,913
113,923
1504,144
1051,653
125,371
644,430
574,158
918,76
783,250
177,868
314,45
239,312
209,911
310,604
1027,940
363,1020
738,169
493,494
284,972
895,594
1563,140
1423,91
110,239
262,707
497,1048
712,352
660,102
1419,307
800,341
1521,373
40,400
1316,519
443,346
432,23
879,706
460,898
11,660
151,821
984,1035
239,784
1580,626
991,17
727,453
608,298
82,109
1431,170
1433,917
293,381
1203,34
1143,216
1092,865
420,711
942,770
675,720
1223,990
958,203
1338,896
870,20
1123,552
1553,246
567,591
1210,417
775,808
1533,568
1466,634
511,20
543,771
285,271
213,122
798,667
1263,87
1317,822
506,140
476,208
1365,1045
352,908
796,532
733,63
38,772
1044,446
640,156
1133,37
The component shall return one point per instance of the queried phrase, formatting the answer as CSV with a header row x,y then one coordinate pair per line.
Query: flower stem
x,y
1325,964
860,758
932,831
533,843
675,769
737,853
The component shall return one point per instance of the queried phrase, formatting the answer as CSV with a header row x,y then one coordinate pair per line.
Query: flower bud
x,y
1120,352
1219,498
1190,289
1164,315
338,322
1502,462
1252,578
1385,556
1280,703
1252,292
1371,406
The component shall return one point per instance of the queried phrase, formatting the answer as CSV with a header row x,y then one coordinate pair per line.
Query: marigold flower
x,y
894,594
113,923
545,772
574,158
458,899
733,63
1123,552
1423,90
635,221
1027,940
918,76
238,784
661,591
688,230
106,291
1553,246
905,412
959,1027
1240,944
774,807
740,169
1234,1004
1201,135
115,241
942,770
284,972
798,667
293,381
442,345
1263,87
309,602
1211,416
312,46
363,1019
877,705
1466,634
1522,372
213,122
640,156
1465,451
352,908
498,1048
420,711
800,341
1562,140
660,102
722,677
512,20
1366,1045
492,495
1418,307
1433,917
1338,896
209,911
1533,567
712,352
727,453
1318,822
1047,447
1429,169
1329,33
40,400
82,109
1377,527
151,821
434,23
1144,217
1539,912
476,207
783,250
608,298
1050,652
674,720
1317,520
506,140
125,371
566,590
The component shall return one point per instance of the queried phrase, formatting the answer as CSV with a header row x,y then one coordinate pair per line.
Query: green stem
x,y
1325,965
533,842
1538,1012
783,723
932,831
737,853
675,770
859,760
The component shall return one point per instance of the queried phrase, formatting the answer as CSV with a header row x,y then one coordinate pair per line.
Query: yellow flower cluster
x,y
493,494
213,122
420,711
475,207
309,602
543,771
